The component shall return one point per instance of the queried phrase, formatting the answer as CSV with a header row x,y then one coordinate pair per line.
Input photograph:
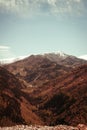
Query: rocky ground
x,y
59,127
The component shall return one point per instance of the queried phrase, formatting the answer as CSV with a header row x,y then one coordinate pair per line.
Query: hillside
x,y
47,91
63,100
36,70
14,106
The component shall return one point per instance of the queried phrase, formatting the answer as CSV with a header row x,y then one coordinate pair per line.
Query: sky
x,y
40,26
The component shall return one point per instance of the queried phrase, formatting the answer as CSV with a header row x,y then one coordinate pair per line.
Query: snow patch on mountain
x,y
55,56
59,54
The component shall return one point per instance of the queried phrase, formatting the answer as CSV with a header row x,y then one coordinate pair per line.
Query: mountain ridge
x,y
48,88
50,56
38,69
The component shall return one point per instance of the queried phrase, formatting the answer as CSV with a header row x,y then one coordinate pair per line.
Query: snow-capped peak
x,y
83,57
58,56
62,54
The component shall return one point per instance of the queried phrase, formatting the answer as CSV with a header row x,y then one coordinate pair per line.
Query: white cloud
x,y
83,57
5,52
4,47
41,6
13,5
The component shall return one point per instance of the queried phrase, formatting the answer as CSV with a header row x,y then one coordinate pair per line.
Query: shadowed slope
x,y
63,100
14,106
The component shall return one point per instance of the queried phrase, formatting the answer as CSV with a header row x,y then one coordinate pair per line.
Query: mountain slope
x,y
64,59
59,100
14,106
63,100
60,84
36,70
9,112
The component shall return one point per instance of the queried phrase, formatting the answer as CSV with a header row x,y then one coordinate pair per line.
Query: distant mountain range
x,y
50,56
36,70
48,89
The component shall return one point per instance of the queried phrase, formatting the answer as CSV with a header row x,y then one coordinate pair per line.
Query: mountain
x,y
63,100
36,70
14,104
52,90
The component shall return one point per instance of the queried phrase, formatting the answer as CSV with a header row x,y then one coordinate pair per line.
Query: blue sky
x,y
41,26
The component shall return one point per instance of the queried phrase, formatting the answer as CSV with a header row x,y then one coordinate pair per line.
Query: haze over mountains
x,y
49,89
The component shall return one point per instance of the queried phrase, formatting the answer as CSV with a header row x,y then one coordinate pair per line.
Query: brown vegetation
x,y
44,92
14,107
63,102
37,70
